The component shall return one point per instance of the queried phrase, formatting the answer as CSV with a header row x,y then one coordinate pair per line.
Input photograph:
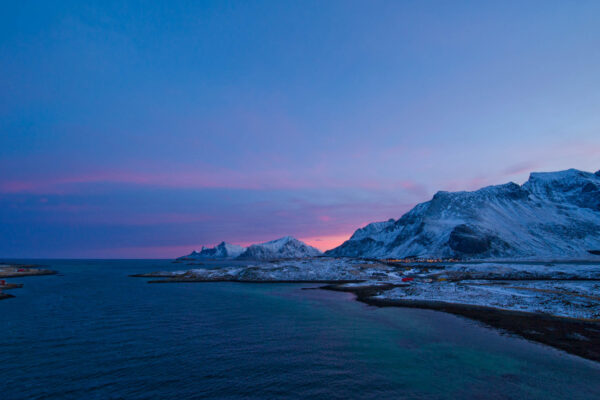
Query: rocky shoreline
x,y
553,304
175,280
18,271
574,336
5,296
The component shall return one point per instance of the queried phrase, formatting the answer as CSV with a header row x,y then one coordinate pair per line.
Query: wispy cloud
x,y
520,168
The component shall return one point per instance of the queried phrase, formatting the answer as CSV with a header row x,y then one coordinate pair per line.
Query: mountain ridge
x,y
552,215
284,247
223,250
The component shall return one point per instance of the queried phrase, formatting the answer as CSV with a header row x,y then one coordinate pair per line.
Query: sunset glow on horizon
x,y
148,130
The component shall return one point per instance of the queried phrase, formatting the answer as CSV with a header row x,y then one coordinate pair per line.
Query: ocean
x,y
92,332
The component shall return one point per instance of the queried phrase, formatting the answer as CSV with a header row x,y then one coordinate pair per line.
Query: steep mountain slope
x,y
286,247
222,250
554,215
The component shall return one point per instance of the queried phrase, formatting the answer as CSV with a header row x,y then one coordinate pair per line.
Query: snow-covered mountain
x,y
285,247
554,215
222,250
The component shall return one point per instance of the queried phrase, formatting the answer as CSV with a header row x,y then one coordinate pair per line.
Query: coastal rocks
x,y
531,287
558,298
291,270
547,302
5,295
15,271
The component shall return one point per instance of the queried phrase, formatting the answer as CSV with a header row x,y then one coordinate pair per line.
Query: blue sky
x,y
146,129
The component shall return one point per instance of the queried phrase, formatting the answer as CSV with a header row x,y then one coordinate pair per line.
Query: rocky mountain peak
x,y
552,215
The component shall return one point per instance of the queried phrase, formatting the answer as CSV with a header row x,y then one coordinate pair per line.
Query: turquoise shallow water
x,y
93,332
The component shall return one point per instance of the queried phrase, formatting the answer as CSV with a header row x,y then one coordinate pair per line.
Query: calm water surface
x,y
95,333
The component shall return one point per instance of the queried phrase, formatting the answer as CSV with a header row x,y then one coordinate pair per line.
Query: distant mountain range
x,y
222,250
554,215
285,247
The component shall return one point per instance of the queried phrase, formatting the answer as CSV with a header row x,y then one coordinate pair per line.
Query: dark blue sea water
x,y
95,333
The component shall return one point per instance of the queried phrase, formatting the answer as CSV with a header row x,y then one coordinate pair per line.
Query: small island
x,y
5,295
18,271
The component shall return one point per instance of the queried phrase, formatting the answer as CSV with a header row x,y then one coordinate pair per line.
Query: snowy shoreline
x,y
574,336
556,304
561,289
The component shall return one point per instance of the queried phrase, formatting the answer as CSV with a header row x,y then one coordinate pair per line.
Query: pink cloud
x,y
169,252
413,187
520,168
97,216
18,186
321,242
473,183
201,178
69,183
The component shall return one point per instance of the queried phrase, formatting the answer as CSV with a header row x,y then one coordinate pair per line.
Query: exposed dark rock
x,y
465,239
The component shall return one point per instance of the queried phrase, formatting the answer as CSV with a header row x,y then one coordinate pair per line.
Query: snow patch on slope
x,y
285,247
554,215
223,250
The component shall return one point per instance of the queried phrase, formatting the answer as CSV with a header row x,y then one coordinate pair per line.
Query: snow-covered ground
x,y
317,269
576,299
566,290
524,271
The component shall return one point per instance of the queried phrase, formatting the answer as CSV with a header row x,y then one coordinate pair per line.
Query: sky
x,y
148,129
